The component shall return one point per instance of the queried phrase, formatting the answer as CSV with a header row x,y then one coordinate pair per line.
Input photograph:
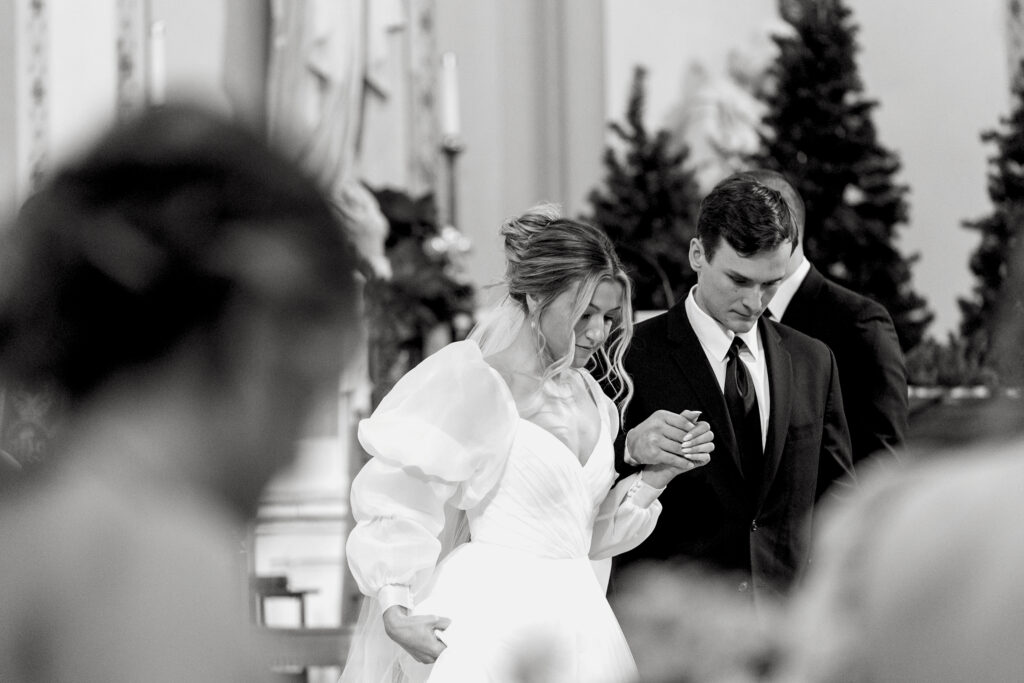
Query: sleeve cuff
x,y
394,594
641,493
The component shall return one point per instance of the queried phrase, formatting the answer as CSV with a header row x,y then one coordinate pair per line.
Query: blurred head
x,y
181,233
794,202
745,237
716,639
781,184
576,295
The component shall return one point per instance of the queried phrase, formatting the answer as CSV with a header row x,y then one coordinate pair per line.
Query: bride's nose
x,y
595,334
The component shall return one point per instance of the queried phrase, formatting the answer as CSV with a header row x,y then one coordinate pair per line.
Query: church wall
x,y
83,73
532,109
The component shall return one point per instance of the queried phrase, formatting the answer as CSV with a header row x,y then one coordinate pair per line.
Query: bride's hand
x,y
416,633
698,443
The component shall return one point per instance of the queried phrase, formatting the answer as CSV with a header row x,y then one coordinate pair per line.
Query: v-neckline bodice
x,y
582,464
601,417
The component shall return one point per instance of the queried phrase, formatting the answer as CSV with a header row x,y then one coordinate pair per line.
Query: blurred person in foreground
x,y
858,331
917,576
193,295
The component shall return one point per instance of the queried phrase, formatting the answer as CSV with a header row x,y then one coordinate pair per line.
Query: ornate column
x,y
316,81
32,94
423,156
28,415
132,23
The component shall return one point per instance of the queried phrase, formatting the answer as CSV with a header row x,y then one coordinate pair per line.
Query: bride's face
x,y
591,330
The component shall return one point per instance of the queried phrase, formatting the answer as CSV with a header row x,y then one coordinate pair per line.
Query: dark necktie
x,y
746,418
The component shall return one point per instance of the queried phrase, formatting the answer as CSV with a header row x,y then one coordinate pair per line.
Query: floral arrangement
x,y
427,289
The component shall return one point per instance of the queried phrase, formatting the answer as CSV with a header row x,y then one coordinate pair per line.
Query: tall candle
x,y
157,63
449,96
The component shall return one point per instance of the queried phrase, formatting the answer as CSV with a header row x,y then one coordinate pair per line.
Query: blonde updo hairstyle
x,y
546,254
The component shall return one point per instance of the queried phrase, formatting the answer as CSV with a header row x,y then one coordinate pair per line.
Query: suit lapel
x,y
689,355
780,385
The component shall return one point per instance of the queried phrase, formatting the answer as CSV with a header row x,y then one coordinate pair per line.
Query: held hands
x,y
669,444
416,633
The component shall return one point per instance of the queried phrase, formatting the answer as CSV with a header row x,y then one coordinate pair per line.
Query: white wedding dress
x,y
522,597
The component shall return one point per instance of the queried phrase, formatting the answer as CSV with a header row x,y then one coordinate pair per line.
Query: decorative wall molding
x,y
28,415
33,93
131,56
425,141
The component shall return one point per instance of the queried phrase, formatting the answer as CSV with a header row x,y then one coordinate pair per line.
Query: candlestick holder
x,y
451,146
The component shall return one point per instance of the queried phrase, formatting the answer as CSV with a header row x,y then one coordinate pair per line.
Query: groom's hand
x,y
676,440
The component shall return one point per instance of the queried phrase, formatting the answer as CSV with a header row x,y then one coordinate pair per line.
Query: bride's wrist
x,y
656,477
643,492
393,614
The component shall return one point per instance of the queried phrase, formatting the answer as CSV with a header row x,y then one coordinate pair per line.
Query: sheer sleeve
x,y
438,442
630,511
626,517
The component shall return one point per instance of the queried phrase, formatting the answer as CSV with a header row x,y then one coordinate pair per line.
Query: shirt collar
x,y
787,290
715,338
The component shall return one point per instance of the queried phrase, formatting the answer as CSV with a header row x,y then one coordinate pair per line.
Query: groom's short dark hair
x,y
750,216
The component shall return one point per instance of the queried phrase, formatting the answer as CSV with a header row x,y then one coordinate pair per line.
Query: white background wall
x,y
940,73
83,72
531,85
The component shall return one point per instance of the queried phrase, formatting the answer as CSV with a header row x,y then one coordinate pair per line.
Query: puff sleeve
x,y
439,439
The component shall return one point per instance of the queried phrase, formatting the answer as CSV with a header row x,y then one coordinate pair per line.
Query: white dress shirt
x,y
787,290
716,340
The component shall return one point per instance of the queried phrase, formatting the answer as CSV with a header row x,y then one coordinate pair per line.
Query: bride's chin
x,y
580,360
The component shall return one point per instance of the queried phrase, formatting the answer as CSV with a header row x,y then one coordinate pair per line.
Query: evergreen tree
x,y
648,206
1000,231
819,132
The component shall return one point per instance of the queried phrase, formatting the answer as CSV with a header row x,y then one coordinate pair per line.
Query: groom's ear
x,y
698,256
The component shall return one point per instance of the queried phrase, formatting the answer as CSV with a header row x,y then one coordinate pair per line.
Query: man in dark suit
x,y
858,330
774,402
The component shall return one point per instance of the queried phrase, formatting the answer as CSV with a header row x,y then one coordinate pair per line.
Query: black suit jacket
x,y
872,370
711,516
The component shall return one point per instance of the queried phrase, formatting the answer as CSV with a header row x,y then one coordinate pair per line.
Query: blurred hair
x,y
148,237
546,255
781,184
750,216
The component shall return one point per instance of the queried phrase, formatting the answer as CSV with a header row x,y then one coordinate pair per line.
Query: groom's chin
x,y
742,325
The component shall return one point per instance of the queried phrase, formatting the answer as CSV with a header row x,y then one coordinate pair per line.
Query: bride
x,y
506,441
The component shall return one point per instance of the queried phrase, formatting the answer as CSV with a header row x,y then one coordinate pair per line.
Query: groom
x,y
772,398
